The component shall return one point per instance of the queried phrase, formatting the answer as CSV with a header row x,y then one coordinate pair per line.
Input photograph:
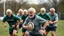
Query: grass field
x,y
59,32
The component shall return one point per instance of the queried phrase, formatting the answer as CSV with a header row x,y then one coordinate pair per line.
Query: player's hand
x,y
51,22
13,26
27,27
41,31
21,20
17,26
5,25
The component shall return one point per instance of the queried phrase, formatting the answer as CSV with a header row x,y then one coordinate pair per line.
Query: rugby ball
x,y
31,25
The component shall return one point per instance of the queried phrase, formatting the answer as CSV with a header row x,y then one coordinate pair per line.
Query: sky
x,y
35,1
32,1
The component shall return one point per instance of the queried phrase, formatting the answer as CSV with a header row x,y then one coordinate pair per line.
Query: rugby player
x,y
43,14
13,22
20,13
24,16
38,21
52,23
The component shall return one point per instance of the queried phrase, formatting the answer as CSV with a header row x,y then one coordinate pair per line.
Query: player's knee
x,y
46,34
14,32
23,33
53,33
27,33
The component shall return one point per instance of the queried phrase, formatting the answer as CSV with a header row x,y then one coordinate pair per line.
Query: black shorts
x,y
20,26
31,34
11,30
24,30
51,28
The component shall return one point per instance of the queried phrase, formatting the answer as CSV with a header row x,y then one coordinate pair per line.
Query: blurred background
x,y
15,5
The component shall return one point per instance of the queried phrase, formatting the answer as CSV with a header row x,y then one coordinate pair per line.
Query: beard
x,y
31,16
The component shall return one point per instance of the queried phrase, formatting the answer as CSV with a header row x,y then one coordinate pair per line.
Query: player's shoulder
x,y
5,16
56,14
38,17
13,15
27,18
48,13
38,13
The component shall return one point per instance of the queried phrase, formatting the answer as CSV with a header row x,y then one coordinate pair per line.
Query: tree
x,y
14,5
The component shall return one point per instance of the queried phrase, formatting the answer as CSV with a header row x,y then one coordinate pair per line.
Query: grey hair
x,y
8,10
43,9
52,9
32,9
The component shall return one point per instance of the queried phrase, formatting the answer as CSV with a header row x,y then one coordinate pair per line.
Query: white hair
x,y
8,10
32,9
43,9
25,10
20,10
52,9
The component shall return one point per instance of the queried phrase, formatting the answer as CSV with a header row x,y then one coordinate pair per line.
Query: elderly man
x,y
13,22
37,21
52,23
43,14
24,16
20,13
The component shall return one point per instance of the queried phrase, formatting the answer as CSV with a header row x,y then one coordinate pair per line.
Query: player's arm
x,y
22,18
4,21
44,22
18,20
4,24
49,19
17,23
25,24
56,19
45,25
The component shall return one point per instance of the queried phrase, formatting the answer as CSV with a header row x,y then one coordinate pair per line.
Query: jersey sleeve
x,y
4,19
48,17
22,17
17,18
56,17
41,20
38,14
26,21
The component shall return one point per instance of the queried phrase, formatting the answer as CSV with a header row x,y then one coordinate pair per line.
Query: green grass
x,y
59,32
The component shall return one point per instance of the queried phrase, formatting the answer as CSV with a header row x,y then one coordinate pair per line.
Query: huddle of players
x,y
43,22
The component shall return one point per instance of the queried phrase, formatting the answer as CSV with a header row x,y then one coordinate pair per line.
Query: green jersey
x,y
11,20
45,16
24,17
